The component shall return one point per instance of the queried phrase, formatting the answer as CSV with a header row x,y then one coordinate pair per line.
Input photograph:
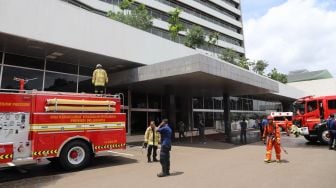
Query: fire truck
x,y
68,128
310,114
283,119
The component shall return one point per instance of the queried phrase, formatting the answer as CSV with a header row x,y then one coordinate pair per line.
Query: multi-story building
x,y
214,16
58,43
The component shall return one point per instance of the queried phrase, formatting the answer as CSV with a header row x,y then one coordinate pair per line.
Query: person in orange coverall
x,y
272,136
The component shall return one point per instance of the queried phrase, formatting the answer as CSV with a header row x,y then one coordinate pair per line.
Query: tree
x,y
245,63
195,37
125,4
175,24
212,40
229,56
275,75
260,66
134,15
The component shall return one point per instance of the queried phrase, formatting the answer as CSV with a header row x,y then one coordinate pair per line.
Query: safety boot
x,y
267,161
161,174
278,161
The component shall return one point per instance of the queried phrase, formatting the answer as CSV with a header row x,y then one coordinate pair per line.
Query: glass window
x,y
85,84
154,101
311,106
1,57
209,119
198,103
218,103
332,104
86,71
139,100
34,77
23,61
60,82
61,67
208,103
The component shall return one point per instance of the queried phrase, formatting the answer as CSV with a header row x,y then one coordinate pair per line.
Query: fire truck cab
x,y
69,128
310,114
283,119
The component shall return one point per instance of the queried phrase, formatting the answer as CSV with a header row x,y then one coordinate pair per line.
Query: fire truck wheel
x,y
75,155
311,139
324,136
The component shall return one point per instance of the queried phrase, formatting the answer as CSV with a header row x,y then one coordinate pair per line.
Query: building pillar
x,y
170,107
2,66
129,114
226,115
186,111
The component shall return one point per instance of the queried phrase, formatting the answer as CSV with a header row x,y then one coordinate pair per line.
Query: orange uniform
x,y
272,135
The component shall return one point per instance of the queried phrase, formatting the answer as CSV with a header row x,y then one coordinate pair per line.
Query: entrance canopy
x,y
195,75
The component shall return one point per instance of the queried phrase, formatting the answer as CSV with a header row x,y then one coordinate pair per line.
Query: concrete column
x,y
170,106
226,115
129,116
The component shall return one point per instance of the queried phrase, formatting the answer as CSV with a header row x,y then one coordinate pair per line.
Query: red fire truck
x,y
283,119
310,114
69,128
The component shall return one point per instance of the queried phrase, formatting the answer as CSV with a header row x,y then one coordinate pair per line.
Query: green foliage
x,y
229,56
213,38
134,15
125,4
175,24
275,75
245,63
233,57
195,37
260,66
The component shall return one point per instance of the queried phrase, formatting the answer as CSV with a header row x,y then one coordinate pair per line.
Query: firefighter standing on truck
x,y
272,136
99,79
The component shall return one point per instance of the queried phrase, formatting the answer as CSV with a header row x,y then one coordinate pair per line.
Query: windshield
x,y
282,118
298,108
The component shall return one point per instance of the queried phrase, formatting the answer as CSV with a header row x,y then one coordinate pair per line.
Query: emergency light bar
x,y
281,114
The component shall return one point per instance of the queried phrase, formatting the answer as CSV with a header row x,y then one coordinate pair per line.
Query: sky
x,y
291,34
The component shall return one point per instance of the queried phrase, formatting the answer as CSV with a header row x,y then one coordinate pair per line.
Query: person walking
x,y
243,127
152,138
264,123
181,130
201,131
272,136
165,132
331,125
99,79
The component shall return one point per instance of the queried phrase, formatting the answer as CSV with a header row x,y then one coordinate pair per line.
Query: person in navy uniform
x,y
332,130
165,132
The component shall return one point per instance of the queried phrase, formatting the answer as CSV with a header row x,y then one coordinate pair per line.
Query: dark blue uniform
x,y
166,133
332,131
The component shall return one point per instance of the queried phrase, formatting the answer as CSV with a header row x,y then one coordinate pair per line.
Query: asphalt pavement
x,y
193,164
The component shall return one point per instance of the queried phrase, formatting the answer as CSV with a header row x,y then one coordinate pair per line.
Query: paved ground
x,y
215,164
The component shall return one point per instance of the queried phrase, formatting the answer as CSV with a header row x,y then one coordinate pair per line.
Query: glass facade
x,y
45,75
210,109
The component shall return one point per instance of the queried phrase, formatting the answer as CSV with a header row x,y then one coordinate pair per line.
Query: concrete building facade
x,y
58,43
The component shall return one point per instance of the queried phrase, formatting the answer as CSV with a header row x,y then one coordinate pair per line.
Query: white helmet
x,y
99,66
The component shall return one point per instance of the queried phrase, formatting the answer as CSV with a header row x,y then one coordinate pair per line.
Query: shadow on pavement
x,y
38,175
217,141
176,173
